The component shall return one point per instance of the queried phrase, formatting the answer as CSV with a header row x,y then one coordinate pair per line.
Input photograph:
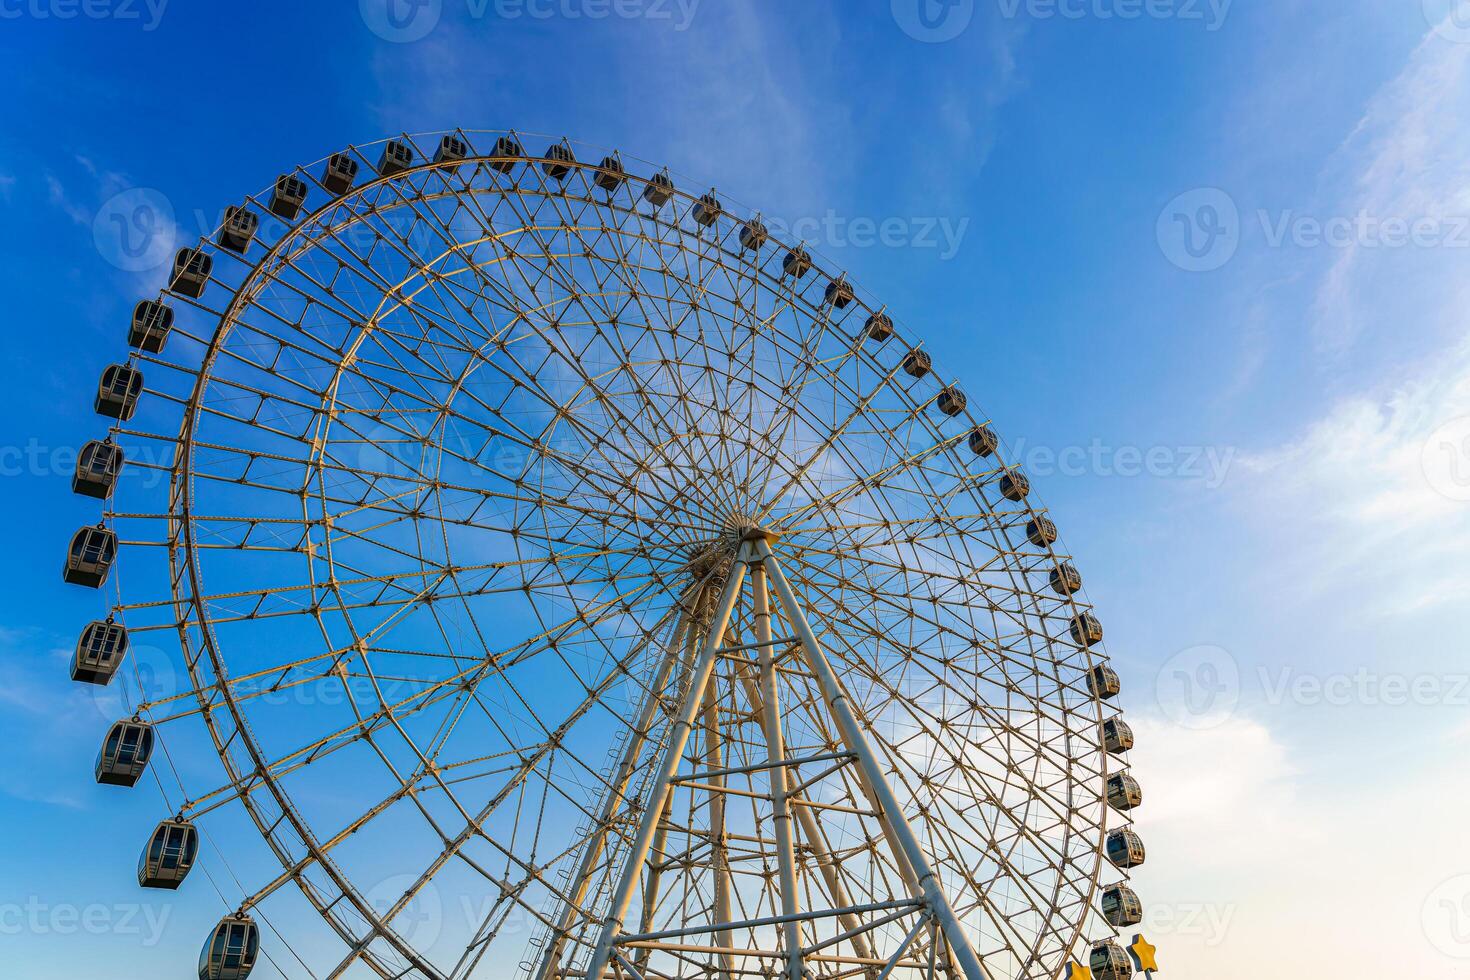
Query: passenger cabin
x,y
125,753
610,174
1014,486
1103,683
98,465
339,174
506,153
1125,849
1109,962
170,853
558,162
983,440
796,263
452,149
1121,907
1041,531
288,196
916,363
1117,736
239,229
1086,630
658,190
753,235
90,556
118,391
879,327
707,210
100,651
396,158
951,401
838,293
230,951
191,272
151,324
1065,579
1124,793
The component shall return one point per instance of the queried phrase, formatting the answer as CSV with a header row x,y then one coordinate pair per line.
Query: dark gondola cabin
x,y
169,854
707,210
100,650
879,327
1103,682
505,154
558,161
98,465
658,190
1109,962
610,174
396,158
983,440
1124,793
1086,630
89,558
838,293
339,174
239,228
118,391
1125,849
452,149
753,235
191,272
1041,531
125,753
229,952
287,197
1117,737
796,263
951,401
1065,579
916,363
151,324
1014,486
1121,907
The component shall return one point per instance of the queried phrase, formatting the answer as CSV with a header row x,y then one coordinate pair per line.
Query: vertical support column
x,y
662,786
719,854
776,755
890,812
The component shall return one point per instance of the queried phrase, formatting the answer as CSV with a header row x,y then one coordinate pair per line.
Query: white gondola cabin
x,y
1014,486
1065,579
117,392
1122,907
796,263
396,158
983,440
1086,630
89,557
707,210
558,162
168,855
339,174
1125,849
753,235
230,951
1041,531
1109,962
452,149
506,153
879,327
191,272
951,401
658,190
1103,682
1117,736
100,651
239,229
838,293
610,174
124,753
150,326
916,363
98,465
287,197
1124,793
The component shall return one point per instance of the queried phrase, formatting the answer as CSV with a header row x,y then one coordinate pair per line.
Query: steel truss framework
x,y
462,498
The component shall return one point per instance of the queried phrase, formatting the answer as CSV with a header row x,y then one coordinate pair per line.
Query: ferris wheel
x,y
565,578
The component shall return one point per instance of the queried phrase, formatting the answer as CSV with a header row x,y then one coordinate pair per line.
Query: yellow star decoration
x,y
1076,971
1143,954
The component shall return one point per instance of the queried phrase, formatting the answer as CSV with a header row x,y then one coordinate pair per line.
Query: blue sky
x,y
1205,265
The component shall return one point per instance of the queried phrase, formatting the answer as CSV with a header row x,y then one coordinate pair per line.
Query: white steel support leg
x,y
776,755
719,855
662,783
870,772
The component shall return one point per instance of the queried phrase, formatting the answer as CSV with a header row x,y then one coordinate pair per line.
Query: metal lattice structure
x,y
532,531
